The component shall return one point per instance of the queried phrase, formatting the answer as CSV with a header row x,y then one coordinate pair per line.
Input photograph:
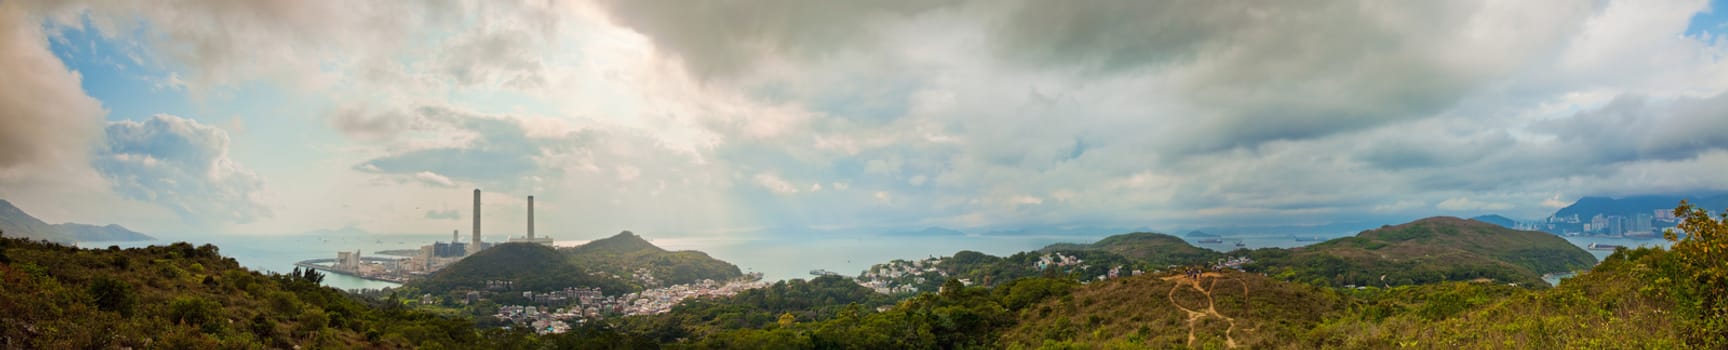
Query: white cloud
x,y
431,178
959,111
774,183
183,165
1464,204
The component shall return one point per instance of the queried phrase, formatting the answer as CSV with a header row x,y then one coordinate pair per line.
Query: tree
x,y
787,319
113,295
195,311
1704,253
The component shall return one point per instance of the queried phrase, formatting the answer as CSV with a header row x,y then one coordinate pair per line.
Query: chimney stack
x,y
455,236
475,246
530,218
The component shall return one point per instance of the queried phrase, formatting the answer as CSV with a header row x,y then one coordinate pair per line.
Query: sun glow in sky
x,y
680,118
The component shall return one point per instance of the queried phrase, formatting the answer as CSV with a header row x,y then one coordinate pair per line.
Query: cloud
x,y
183,165
775,183
1634,128
450,214
48,120
433,179
1464,204
497,150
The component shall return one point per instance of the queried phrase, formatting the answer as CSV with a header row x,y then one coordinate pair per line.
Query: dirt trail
x,y
1211,279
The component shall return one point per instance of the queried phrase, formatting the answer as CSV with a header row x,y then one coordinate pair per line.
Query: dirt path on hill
x,y
1211,280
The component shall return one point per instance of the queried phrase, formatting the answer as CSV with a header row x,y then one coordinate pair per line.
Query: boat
x,y
1239,244
1307,239
1599,246
1211,241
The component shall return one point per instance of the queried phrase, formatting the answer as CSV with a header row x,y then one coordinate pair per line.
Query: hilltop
x,y
528,266
1497,220
1156,249
613,264
17,223
1425,251
93,233
626,253
1202,234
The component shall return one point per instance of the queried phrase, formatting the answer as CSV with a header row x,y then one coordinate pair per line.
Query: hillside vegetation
x,y
184,297
1156,249
1426,251
613,264
626,253
527,266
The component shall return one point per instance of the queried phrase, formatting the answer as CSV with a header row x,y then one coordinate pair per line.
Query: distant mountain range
x,y
1497,220
1201,234
16,223
1588,207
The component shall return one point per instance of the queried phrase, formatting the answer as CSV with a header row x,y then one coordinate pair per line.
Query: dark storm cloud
x,y
721,39
1635,128
501,152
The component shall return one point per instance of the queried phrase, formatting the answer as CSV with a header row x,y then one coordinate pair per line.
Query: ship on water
x,y
1599,246
1211,241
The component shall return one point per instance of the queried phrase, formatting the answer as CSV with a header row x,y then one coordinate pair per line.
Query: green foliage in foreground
x,y
190,297
1426,251
186,297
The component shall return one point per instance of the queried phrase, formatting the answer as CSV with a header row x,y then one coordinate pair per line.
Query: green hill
x,y
1426,251
626,253
1173,311
1497,220
528,266
16,223
183,297
93,233
1156,249
611,264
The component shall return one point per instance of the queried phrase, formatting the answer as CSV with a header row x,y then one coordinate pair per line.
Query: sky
x,y
755,117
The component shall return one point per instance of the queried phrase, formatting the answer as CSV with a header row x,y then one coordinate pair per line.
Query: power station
x,y
530,238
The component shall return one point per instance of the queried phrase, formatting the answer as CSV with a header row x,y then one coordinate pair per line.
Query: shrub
x,y
113,295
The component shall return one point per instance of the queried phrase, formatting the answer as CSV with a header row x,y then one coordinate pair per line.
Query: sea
x,y
776,259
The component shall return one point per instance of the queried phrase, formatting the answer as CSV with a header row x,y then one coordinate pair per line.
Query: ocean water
x,y
776,259
279,253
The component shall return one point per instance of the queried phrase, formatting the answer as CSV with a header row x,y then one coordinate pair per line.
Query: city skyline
x,y
273,118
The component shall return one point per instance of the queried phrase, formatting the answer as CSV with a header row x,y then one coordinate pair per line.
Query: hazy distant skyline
x,y
724,118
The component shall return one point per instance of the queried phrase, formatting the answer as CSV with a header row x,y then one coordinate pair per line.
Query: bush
x,y
194,311
113,295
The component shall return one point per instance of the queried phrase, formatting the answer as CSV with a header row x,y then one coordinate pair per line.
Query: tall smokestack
x,y
475,246
455,236
530,217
